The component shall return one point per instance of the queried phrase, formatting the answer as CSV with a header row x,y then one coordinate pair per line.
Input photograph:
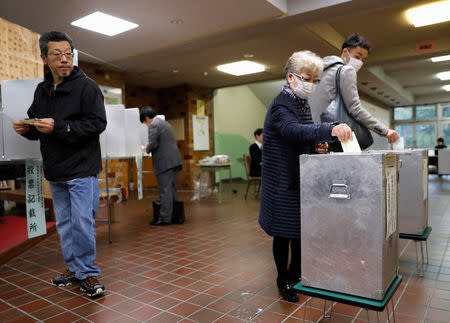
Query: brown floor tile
x,y
34,306
144,313
124,319
202,299
165,302
106,315
10,314
126,306
229,319
205,315
184,309
110,299
24,319
437,315
48,312
223,305
64,317
245,312
164,317
269,317
283,307
88,309
183,294
441,304
23,299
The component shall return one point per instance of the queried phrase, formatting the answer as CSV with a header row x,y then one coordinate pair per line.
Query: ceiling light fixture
x,y
440,58
248,55
104,24
443,76
429,14
177,22
241,68
446,87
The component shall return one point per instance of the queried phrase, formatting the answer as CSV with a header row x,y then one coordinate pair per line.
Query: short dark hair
x,y
258,132
440,139
355,40
147,112
57,36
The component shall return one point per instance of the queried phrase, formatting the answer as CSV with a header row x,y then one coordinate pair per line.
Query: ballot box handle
x,y
339,191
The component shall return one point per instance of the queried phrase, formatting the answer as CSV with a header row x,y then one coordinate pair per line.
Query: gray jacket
x,y
163,146
326,91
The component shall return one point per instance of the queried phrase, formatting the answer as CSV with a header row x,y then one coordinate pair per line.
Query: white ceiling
x,y
214,32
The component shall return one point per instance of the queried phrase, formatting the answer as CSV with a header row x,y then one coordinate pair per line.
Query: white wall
x,y
382,115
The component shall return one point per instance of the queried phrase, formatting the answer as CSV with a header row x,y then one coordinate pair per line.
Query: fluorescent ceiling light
x,y
104,24
241,68
446,87
440,58
444,76
429,14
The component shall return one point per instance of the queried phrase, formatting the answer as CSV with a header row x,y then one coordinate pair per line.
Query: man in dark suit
x,y
440,145
255,153
166,160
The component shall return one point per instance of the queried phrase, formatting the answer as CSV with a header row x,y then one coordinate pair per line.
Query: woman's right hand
x,y
342,132
20,127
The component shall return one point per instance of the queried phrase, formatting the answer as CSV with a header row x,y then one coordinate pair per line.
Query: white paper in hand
x,y
351,146
399,144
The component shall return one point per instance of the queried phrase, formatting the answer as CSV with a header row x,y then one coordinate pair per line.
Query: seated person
x,y
255,153
440,145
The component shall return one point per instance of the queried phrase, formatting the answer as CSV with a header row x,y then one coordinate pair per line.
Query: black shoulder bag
x,y
337,112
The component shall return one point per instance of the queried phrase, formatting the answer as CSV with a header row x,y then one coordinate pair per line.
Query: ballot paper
x,y
351,146
399,144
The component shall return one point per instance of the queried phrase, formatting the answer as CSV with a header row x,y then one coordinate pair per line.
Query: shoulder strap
x,y
338,79
330,66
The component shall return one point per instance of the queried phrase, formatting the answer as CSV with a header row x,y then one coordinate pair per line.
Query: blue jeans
x,y
76,203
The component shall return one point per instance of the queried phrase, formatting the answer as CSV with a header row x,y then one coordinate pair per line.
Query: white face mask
x,y
355,63
303,89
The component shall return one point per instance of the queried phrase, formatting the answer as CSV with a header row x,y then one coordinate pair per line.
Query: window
x,y
425,134
446,111
425,112
403,113
446,132
406,131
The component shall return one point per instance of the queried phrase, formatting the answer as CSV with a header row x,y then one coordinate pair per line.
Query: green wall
x,y
238,111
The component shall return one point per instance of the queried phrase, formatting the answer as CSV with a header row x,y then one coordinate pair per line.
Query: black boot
x,y
295,276
287,291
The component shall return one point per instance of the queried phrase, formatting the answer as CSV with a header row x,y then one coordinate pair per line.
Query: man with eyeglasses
x,y
70,116
355,50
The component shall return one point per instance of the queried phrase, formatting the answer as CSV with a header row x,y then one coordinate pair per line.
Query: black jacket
x,y
72,150
255,157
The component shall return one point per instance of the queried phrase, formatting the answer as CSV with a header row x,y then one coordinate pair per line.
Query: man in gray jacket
x,y
166,159
355,50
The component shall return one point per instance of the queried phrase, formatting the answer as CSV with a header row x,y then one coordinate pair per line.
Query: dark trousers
x,y
287,272
167,187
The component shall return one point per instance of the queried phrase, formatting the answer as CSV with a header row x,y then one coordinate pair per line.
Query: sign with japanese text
x,y
139,177
35,198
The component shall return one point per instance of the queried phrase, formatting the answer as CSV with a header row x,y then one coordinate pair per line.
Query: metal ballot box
x,y
349,222
444,161
413,191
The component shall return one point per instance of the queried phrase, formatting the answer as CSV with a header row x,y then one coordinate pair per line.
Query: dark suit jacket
x,y
163,146
255,165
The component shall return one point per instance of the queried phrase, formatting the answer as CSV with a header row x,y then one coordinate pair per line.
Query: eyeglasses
x,y
60,55
301,77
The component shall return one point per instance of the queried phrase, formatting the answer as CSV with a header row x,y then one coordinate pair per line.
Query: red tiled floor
x,y
217,267
144,313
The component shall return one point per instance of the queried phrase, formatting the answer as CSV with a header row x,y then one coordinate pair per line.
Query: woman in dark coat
x,y
288,133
